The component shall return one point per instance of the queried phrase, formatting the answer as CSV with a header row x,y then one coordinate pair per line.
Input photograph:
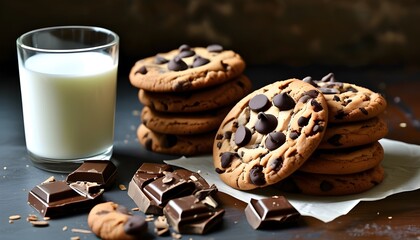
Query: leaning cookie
x,y
269,134
352,134
348,102
332,184
110,220
187,145
344,161
200,100
183,123
186,68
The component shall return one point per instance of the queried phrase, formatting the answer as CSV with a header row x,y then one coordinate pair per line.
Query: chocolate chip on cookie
x,y
186,69
269,134
348,102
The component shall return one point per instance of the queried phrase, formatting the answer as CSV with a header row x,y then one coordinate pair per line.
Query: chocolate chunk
x,y
186,215
214,48
242,136
328,78
259,103
200,61
284,102
316,105
160,60
270,212
226,159
177,64
329,90
364,111
184,47
340,115
55,199
276,164
274,140
256,175
186,53
294,134
149,144
317,128
336,98
266,123
135,225
154,185
142,70
219,171
303,121
310,81
102,172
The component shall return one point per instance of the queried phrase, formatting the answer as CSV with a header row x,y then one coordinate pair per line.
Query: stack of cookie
x,y
313,137
186,94
347,160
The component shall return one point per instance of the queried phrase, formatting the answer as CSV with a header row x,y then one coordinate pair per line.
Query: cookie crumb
x,y
11,221
122,187
135,209
14,217
78,230
75,238
50,179
176,235
31,217
64,228
389,217
39,223
403,125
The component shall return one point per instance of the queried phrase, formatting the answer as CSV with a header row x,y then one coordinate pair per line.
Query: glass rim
x,y
115,40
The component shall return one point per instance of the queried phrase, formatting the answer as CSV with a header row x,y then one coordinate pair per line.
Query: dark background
x,y
374,44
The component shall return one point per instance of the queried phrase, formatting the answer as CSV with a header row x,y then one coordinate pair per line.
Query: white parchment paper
x,y
402,173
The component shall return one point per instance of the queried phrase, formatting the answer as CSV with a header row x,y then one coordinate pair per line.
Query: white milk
x,y
68,104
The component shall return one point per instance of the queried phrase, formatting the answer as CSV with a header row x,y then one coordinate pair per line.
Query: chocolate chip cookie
x,y
269,134
344,161
110,220
192,144
348,102
186,69
352,134
200,100
183,123
332,184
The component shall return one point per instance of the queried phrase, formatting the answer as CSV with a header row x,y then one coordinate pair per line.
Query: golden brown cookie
x,y
348,102
332,184
183,123
200,100
186,69
112,221
269,134
352,134
187,145
344,161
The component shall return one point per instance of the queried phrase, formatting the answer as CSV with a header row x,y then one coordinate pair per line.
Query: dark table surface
x,y
395,217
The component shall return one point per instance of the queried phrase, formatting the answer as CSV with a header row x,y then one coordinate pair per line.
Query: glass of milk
x,y
68,79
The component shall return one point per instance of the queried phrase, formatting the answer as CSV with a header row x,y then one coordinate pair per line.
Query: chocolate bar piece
x,y
153,185
188,215
53,199
102,172
269,212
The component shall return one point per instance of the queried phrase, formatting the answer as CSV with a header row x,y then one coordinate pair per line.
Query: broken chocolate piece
x,y
154,185
186,215
102,172
269,212
54,199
